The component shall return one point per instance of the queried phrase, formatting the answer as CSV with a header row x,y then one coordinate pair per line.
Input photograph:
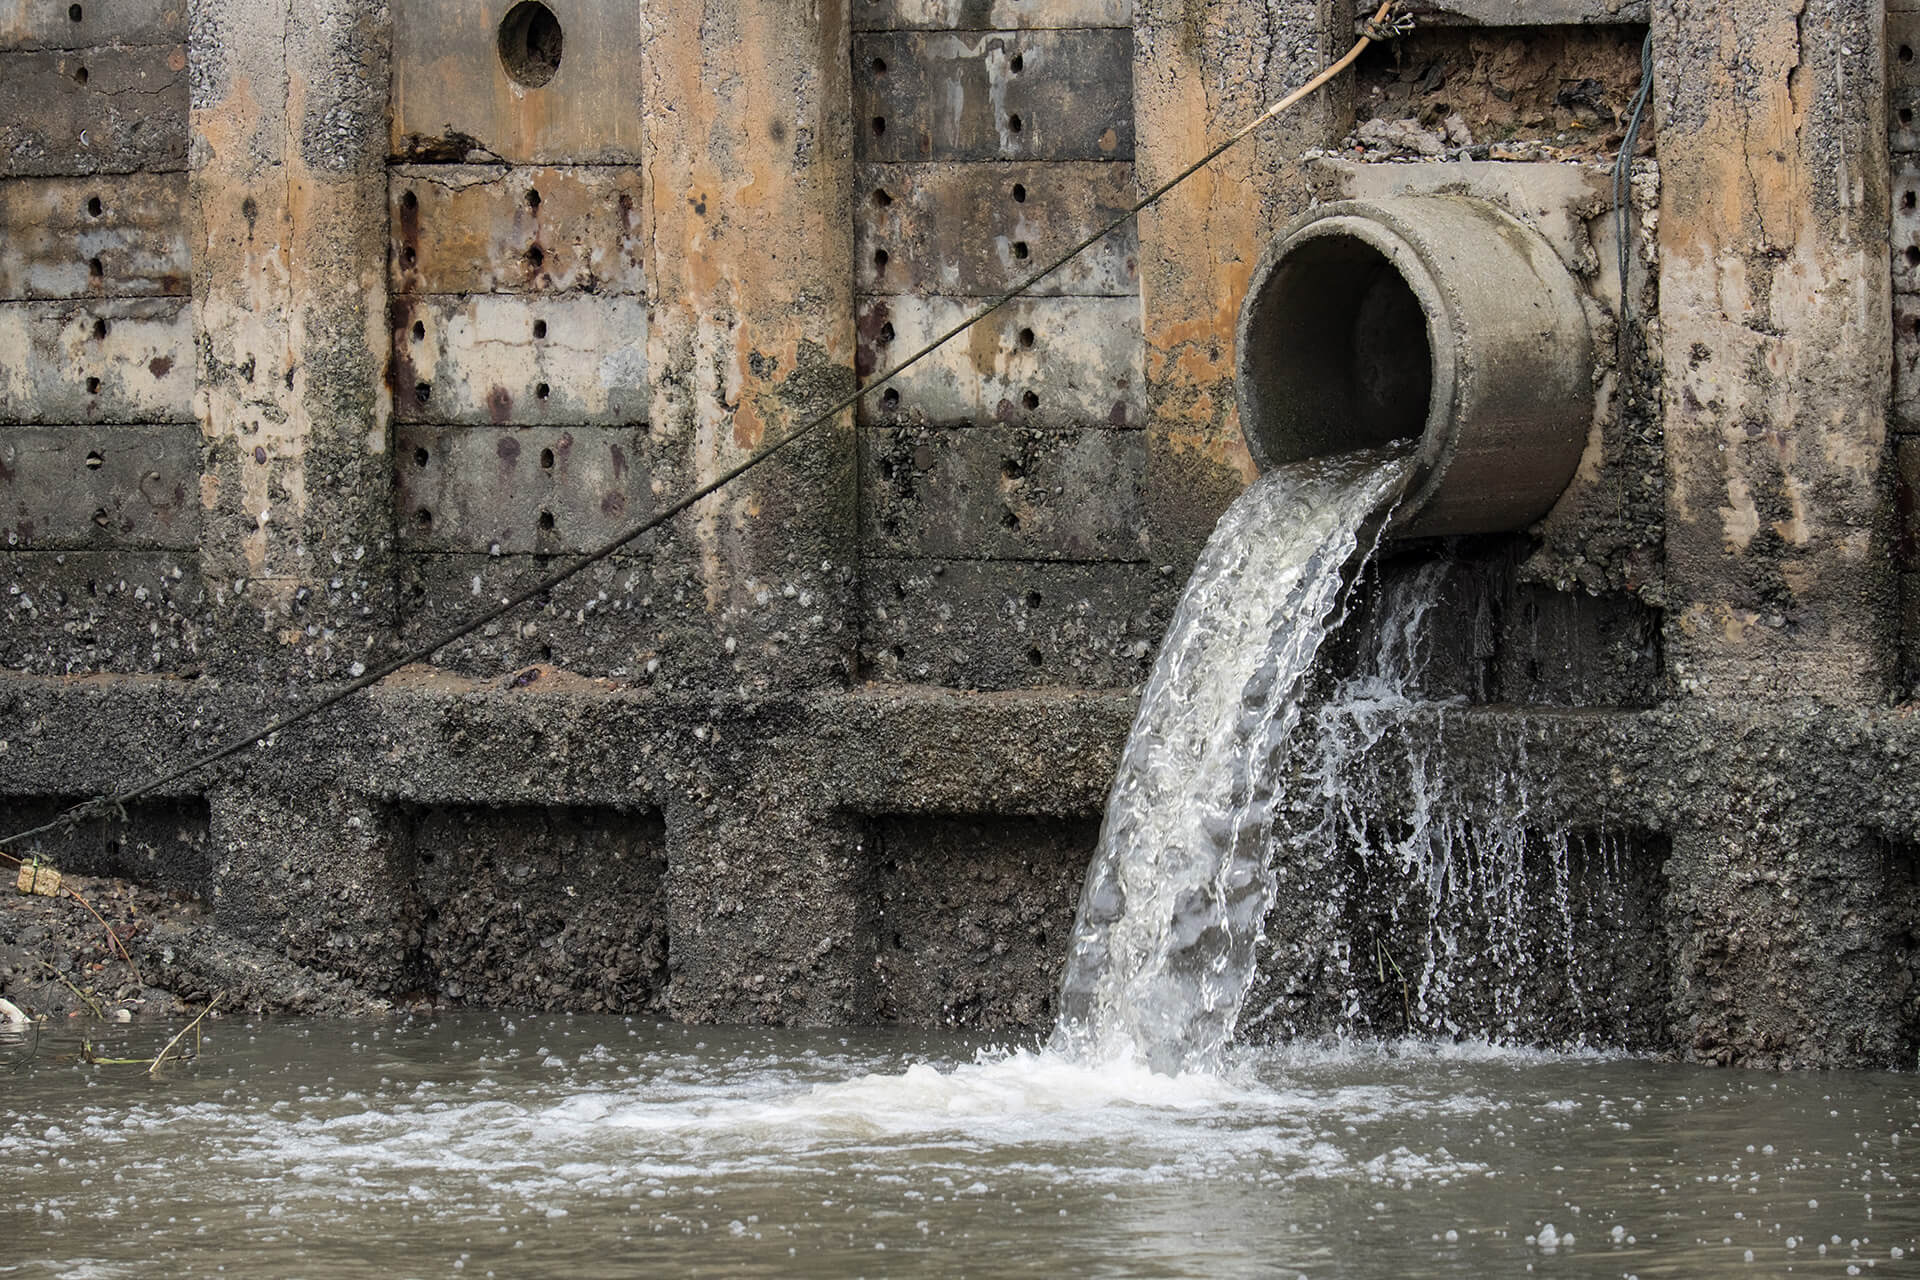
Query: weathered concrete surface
x,y
978,230
998,15
518,490
290,330
495,358
518,229
101,360
96,110
72,488
1055,362
453,99
88,237
29,24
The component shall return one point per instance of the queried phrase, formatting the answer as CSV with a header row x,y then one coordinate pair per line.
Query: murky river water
x,y
483,1145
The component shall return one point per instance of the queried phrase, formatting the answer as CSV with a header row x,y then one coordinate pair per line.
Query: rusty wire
x,y
1388,21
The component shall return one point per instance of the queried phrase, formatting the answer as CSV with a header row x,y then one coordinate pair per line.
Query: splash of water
x,y
1163,947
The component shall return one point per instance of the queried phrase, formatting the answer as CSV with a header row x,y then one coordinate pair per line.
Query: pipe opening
x,y
1339,338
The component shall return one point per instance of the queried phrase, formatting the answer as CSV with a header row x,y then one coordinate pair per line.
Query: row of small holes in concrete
x,y
539,331
1015,124
421,457
423,391
424,518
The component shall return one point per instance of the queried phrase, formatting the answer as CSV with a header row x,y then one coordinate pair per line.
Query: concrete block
x,y
490,229
969,230
1009,624
42,24
517,489
994,95
1037,362
69,487
1906,496
113,110
497,358
63,612
89,237
455,98
995,15
118,360
972,916
1903,75
541,908
1906,362
159,843
1906,224
1513,13
1002,492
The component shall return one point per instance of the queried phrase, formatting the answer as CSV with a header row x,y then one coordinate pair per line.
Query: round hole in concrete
x,y
886,332
1031,400
539,328
530,43
1019,193
94,207
1026,337
1016,64
93,386
879,125
100,517
1906,53
533,198
1033,599
423,518
890,399
1907,200
419,331
423,391
546,519
420,456
1015,124
95,268
546,459
880,259
1343,348
94,460
880,198
879,66
1913,256
99,330
536,256
80,76
1020,250
542,391
1034,658
75,13
1010,519
409,201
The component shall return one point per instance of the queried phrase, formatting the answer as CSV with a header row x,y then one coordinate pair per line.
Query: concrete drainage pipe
x,y
1440,319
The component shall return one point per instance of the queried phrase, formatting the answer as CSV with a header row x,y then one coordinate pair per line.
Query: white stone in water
x,y
1162,949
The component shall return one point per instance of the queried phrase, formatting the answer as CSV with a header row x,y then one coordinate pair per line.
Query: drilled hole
x,y
1020,249
409,201
95,269
93,386
423,518
419,331
530,44
94,460
899,652
80,76
100,517
880,259
533,198
1033,657
546,459
420,456
94,207
546,519
880,198
879,66
1031,400
99,330
1009,520
75,13
536,256
1913,256
886,332
408,257
423,391
879,125
1015,124
1011,469
1906,115
1906,53
890,399
542,391
1026,337
1033,599
539,328
1016,64
1908,200
1019,193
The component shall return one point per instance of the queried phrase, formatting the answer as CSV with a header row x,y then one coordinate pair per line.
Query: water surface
x,y
537,1146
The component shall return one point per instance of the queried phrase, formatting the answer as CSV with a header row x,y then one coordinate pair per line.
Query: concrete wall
x,y
321,329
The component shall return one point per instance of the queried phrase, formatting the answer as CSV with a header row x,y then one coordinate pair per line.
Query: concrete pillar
x,y
749,174
1201,70
288,230
1775,334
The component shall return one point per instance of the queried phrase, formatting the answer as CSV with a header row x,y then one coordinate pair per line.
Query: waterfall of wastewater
x,y
1163,948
